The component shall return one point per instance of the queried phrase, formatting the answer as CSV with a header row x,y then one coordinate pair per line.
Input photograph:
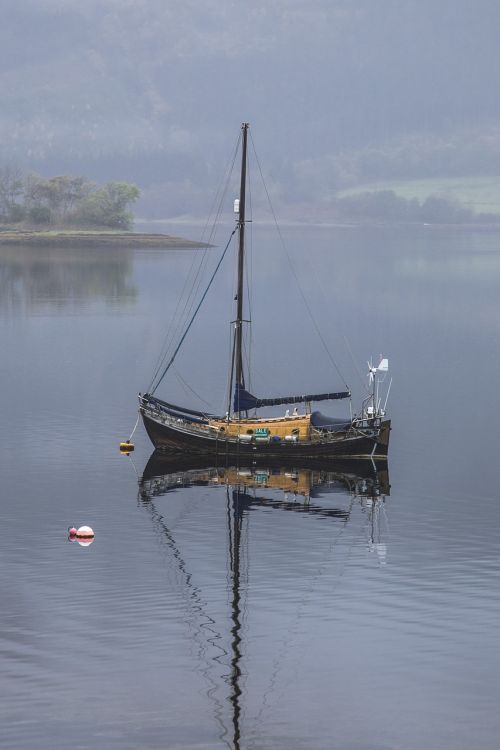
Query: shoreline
x,y
91,238
96,239
318,223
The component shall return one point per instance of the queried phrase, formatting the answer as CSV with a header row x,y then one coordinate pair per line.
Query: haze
x,y
339,93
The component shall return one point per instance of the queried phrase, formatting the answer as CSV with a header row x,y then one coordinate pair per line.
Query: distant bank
x,y
90,238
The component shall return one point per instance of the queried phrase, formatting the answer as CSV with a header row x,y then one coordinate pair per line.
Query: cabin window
x,y
222,429
295,431
249,432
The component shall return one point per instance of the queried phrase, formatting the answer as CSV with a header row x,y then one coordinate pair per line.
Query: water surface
x,y
276,607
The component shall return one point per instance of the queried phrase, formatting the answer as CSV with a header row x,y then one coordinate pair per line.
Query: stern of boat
x,y
383,438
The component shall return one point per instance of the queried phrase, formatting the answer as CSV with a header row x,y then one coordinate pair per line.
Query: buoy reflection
x,y
85,542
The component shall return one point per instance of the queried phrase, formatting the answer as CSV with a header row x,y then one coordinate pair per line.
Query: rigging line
x,y
304,298
291,637
219,198
187,304
183,382
202,624
246,357
314,578
249,280
246,341
227,393
249,253
231,376
249,302
335,584
323,296
356,368
224,189
190,301
187,309
175,321
172,358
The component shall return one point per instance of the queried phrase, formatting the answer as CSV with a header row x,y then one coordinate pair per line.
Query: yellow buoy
x,y
127,446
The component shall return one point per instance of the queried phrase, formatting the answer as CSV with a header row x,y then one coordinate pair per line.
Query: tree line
x,y
64,200
387,206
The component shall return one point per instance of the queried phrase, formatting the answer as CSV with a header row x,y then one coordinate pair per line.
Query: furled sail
x,y
243,400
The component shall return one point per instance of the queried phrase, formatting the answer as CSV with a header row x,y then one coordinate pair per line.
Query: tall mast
x,y
240,378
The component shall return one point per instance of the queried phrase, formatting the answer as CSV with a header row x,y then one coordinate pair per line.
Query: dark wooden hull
x,y
181,441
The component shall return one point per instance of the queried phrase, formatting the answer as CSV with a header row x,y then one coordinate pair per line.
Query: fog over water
x,y
339,93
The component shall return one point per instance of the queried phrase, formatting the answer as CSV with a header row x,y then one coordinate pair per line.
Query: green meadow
x,y
481,194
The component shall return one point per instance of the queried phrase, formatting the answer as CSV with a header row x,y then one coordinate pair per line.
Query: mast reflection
x,y
313,488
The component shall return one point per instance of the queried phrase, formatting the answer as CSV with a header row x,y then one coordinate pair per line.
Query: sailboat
x,y
305,434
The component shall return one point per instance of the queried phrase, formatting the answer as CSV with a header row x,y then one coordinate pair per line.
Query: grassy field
x,y
481,194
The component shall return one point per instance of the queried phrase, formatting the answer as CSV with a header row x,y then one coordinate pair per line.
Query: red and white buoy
x,y
84,535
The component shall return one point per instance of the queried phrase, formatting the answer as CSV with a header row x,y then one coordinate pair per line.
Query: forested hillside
x,y
339,94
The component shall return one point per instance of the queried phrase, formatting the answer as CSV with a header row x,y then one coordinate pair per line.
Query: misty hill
x,y
339,92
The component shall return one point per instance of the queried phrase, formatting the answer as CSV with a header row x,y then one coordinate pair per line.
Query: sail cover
x,y
243,400
175,411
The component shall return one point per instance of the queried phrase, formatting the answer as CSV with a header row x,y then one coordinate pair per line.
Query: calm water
x,y
270,608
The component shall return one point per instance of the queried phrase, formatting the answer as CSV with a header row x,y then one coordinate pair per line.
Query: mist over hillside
x,y
338,92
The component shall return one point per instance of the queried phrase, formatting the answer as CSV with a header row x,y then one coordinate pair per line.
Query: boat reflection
x,y
325,491
300,485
